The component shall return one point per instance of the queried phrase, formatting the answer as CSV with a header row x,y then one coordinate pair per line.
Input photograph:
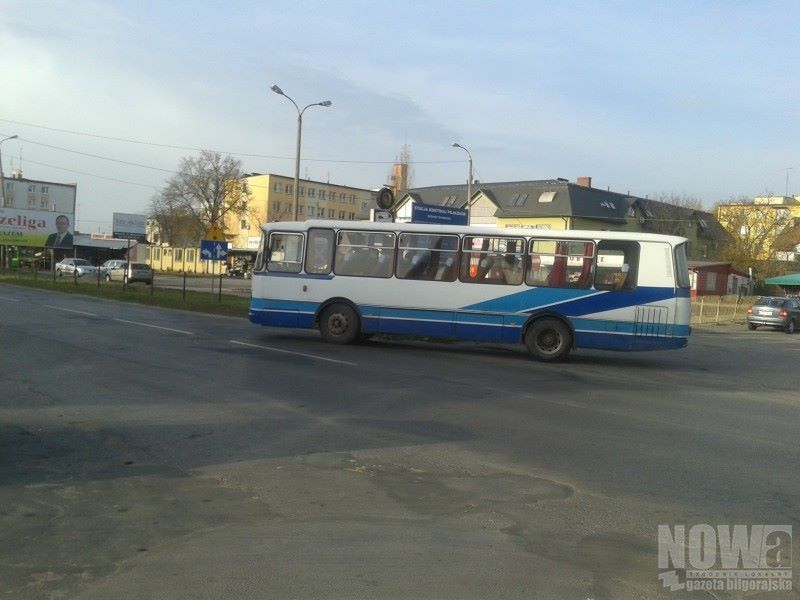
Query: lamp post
x,y
469,181
2,183
300,112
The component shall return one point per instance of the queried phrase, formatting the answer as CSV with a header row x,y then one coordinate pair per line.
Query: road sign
x,y
213,250
215,234
439,215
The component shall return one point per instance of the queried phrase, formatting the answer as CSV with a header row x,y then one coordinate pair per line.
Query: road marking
x,y
281,350
9,299
78,312
155,326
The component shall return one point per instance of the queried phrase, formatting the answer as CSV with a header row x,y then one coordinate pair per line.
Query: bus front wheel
x,y
548,340
339,324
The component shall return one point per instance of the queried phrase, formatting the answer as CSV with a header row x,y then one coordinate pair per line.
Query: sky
x,y
696,99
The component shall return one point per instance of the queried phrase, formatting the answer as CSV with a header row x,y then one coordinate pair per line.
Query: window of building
x,y
190,255
711,281
617,265
322,194
427,257
311,192
310,211
300,209
351,216
43,202
352,198
319,253
364,254
341,214
285,252
277,187
157,253
560,263
341,197
496,260
301,190
331,213
243,224
179,254
31,188
45,189
276,206
547,196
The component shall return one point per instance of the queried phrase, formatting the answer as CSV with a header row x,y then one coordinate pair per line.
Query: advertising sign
x,y
130,227
35,228
438,215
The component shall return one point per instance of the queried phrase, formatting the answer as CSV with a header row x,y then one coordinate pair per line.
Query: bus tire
x,y
339,324
548,340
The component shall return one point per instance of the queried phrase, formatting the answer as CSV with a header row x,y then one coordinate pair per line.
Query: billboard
x,y
35,228
130,227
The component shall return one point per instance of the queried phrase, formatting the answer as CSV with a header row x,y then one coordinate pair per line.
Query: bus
x,y
553,291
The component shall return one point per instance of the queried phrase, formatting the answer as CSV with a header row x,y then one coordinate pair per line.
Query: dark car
x,y
773,311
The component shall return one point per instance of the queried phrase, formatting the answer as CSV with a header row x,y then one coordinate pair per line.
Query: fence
x,y
720,309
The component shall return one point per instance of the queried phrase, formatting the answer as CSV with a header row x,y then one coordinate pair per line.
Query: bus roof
x,y
577,234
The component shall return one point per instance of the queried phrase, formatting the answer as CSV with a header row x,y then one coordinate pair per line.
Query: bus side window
x,y
319,253
617,265
285,252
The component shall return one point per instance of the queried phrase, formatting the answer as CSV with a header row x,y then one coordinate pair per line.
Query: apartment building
x,y
270,198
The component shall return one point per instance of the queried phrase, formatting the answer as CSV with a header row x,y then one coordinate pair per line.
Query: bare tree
x,y
176,226
208,187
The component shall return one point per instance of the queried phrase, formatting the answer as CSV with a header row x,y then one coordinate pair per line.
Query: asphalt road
x,y
147,453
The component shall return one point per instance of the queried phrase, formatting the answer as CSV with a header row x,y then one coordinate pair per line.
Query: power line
x,y
27,160
194,149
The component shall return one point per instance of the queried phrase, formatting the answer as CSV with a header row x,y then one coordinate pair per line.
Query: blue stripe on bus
x,y
572,302
292,275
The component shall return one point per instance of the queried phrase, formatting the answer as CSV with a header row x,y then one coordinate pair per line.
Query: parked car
x,y
114,263
75,266
772,311
134,272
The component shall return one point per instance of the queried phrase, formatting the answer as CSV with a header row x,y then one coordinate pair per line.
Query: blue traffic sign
x,y
212,250
439,215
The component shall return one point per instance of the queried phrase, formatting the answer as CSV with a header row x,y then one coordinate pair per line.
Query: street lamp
x,y
300,112
469,181
2,183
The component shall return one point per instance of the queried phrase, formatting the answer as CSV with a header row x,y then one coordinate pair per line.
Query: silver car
x,y
133,272
75,266
114,263
773,311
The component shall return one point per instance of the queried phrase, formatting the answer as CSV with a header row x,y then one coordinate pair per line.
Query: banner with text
x,y
35,228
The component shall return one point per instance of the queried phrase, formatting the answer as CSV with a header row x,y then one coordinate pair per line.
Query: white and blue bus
x,y
550,290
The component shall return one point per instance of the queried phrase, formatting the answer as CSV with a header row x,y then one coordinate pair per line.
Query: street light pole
x,y
300,112
2,182
469,182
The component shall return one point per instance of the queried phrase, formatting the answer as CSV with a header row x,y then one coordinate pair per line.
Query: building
x,y
31,211
762,228
564,205
271,198
34,194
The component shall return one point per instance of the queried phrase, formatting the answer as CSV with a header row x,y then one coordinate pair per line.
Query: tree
x,y
754,229
175,226
203,192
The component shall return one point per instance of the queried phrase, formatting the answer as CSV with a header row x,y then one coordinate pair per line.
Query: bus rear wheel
x,y
548,340
339,324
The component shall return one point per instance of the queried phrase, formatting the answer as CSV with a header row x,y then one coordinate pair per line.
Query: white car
x,y
75,266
